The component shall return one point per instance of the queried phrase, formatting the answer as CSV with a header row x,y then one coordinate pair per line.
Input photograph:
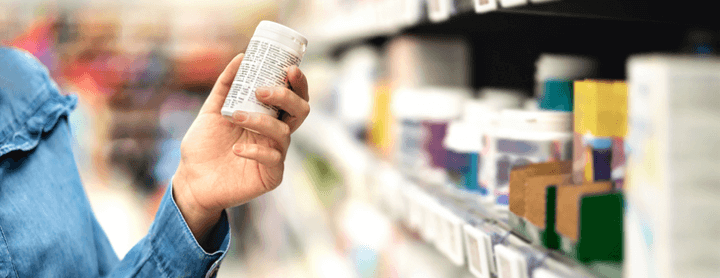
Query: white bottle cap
x,y
478,111
443,103
429,103
405,104
522,121
463,137
567,67
500,98
283,35
531,104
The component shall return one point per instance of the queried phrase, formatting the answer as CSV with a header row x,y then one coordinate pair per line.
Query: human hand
x,y
223,164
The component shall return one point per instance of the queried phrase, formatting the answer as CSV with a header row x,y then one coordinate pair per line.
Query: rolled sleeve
x,y
177,252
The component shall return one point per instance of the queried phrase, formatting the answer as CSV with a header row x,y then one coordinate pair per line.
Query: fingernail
x,y
238,148
240,116
264,92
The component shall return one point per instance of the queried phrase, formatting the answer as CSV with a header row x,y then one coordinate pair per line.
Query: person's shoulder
x,y
19,61
20,71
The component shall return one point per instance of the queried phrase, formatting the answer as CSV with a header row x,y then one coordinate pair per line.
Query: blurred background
x,y
142,70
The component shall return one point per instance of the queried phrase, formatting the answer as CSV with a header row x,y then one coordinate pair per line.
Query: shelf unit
x,y
504,45
441,216
511,39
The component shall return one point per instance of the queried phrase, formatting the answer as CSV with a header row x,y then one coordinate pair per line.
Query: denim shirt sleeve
x,y
47,227
171,250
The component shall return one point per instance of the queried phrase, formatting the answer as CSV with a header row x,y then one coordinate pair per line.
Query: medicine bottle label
x,y
265,65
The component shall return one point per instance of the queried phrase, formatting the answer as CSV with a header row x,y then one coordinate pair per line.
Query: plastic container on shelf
x,y
486,114
525,137
441,105
272,49
424,115
463,145
358,68
561,70
557,95
409,137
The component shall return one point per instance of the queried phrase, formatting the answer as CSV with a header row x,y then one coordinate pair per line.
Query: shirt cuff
x,y
177,251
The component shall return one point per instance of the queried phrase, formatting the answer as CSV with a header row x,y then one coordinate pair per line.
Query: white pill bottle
x,y
271,51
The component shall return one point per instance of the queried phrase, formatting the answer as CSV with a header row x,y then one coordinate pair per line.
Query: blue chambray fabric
x,y
47,227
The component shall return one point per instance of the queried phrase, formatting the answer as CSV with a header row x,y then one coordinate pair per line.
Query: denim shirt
x,y
47,227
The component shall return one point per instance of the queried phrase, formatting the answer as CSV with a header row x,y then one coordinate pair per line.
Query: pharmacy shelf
x,y
505,44
690,13
457,223
373,22
356,163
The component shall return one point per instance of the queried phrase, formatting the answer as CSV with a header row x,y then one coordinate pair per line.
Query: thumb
x,y
220,90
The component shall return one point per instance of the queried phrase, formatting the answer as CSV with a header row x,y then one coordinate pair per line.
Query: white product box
x,y
672,188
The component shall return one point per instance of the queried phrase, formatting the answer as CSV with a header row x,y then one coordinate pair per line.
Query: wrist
x,y
200,219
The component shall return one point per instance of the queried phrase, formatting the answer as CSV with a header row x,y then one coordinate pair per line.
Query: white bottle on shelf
x,y
495,99
563,67
525,137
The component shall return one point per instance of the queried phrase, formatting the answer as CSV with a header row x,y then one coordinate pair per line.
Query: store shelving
x,y
438,215
370,20
504,45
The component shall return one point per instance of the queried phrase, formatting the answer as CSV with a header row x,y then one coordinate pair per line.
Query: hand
x,y
222,163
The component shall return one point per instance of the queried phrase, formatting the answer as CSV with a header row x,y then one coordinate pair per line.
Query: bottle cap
x,y
501,98
463,137
283,35
536,121
565,67
429,103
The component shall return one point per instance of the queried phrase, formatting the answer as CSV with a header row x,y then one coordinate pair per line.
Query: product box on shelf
x,y
600,127
518,193
672,183
541,207
589,221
